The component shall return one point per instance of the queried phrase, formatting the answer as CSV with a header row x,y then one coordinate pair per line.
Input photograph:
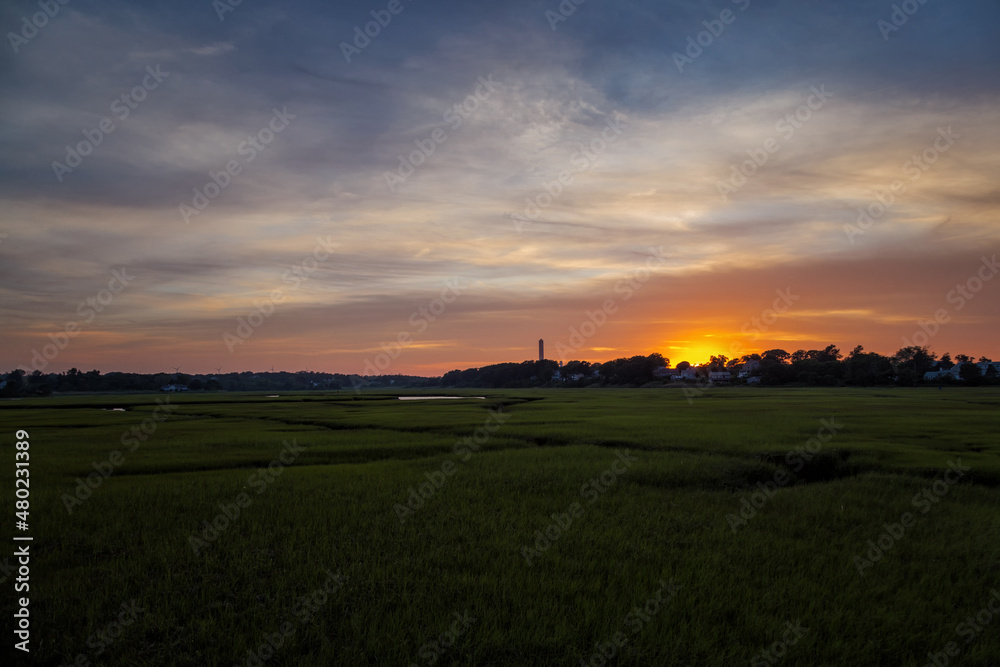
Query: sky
x,y
416,186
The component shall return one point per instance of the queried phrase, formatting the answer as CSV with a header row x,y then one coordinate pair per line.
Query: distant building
x,y
955,372
173,387
719,377
984,366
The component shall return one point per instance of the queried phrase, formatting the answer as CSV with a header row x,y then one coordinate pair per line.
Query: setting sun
x,y
694,353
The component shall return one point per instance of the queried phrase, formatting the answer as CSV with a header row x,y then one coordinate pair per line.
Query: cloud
x,y
641,149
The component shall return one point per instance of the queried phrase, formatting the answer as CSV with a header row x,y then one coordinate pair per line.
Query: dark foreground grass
x,y
336,558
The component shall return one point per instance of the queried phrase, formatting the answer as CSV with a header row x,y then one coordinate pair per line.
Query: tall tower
x,y
541,350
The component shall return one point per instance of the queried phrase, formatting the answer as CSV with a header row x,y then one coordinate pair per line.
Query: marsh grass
x,y
665,518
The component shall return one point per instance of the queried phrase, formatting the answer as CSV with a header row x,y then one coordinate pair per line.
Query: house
x,y
173,387
719,377
663,372
984,366
953,373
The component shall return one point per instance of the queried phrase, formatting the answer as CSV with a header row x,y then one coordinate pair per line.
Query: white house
x,y
952,373
955,372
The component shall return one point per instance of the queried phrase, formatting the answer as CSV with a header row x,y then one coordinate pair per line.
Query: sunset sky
x,y
331,250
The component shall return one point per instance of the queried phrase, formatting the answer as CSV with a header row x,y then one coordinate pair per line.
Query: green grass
x,y
335,509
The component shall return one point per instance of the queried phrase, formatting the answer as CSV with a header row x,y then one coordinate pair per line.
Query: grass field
x,y
745,527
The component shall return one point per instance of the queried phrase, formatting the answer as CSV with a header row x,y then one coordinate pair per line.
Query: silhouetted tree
x,y
918,359
830,353
970,373
869,368
778,355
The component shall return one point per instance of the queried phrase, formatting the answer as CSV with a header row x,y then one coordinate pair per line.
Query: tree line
x,y
17,383
826,367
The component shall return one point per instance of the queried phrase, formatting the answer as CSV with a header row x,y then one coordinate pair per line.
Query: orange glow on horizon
x,y
695,354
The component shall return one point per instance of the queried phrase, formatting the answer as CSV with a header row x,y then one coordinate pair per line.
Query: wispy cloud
x,y
654,184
